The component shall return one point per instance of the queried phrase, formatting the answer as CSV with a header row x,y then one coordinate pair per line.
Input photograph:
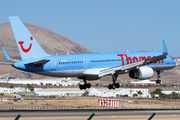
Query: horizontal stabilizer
x,y
7,55
5,63
38,64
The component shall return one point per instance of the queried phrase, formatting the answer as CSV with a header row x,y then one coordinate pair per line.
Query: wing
x,y
110,71
39,63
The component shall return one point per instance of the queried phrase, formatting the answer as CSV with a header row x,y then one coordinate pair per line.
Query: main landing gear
x,y
114,85
158,76
85,85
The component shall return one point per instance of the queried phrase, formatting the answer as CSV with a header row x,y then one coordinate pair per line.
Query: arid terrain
x,y
81,102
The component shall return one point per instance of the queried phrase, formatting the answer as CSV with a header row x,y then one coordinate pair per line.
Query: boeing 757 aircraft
x,y
139,65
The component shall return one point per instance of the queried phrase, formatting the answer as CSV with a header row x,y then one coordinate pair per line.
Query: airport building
x,y
100,92
104,92
144,82
13,90
16,90
54,82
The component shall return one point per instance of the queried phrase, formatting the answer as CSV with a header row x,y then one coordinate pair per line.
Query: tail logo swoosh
x,y
23,49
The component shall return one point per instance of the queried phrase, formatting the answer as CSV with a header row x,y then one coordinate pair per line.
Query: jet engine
x,y
141,73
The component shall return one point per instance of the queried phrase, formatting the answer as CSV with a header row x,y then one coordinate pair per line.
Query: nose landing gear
x,y
158,76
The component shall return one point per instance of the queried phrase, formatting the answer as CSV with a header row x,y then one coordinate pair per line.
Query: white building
x,y
60,92
76,92
143,82
177,61
144,92
92,92
13,90
170,92
54,82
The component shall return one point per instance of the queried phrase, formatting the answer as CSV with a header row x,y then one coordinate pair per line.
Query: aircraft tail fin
x,y
28,46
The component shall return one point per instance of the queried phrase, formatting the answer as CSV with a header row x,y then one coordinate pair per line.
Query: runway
x,y
87,112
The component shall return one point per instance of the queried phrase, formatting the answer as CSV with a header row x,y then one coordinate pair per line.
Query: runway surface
x,y
87,112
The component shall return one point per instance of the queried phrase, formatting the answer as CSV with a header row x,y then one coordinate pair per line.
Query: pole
x,y
17,117
178,84
91,116
152,116
102,91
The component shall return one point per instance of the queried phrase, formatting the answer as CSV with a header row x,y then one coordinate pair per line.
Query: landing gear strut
x,y
114,84
85,85
158,76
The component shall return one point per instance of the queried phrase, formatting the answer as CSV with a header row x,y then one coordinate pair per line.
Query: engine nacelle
x,y
141,73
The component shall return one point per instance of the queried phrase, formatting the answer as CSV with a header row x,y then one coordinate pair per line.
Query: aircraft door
x,y
167,59
53,64
85,63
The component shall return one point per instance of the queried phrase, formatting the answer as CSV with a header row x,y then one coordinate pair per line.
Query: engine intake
x,y
141,73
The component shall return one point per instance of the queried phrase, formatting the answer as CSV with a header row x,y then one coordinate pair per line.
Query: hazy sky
x,y
104,25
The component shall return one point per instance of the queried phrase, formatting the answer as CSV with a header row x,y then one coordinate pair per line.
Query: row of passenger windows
x,y
113,60
92,61
74,62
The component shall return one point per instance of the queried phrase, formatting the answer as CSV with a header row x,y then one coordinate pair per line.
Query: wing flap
x,y
155,59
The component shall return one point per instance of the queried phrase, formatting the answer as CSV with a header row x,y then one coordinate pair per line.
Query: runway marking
x,y
113,116
1,118
173,115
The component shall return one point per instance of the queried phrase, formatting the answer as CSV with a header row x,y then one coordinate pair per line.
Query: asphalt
x,y
86,112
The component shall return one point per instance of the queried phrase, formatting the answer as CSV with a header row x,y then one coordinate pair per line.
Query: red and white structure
x,y
109,102
4,100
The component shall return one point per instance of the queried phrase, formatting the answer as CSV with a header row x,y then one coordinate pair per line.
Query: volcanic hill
x,y
50,41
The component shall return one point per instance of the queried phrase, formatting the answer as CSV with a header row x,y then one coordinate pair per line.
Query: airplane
x,y
92,66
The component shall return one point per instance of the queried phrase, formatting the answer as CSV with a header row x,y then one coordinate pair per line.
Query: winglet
x,y
7,55
165,52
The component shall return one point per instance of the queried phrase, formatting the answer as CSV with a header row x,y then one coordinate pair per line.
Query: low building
x,y
144,82
104,92
54,82
91,92
13,90
60,92
170,92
